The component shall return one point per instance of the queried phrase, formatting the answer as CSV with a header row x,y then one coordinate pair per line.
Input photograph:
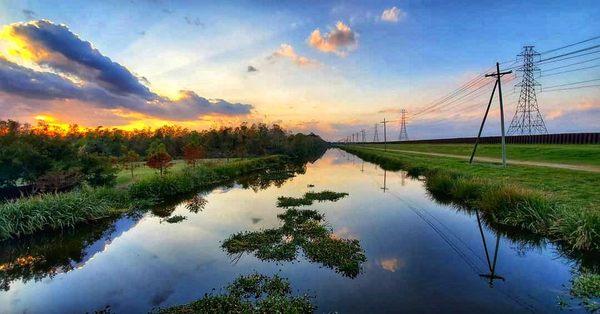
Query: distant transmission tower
x,y
403,134
527,119
375,134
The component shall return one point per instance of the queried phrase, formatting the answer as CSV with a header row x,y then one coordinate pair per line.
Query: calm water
x,y
421,256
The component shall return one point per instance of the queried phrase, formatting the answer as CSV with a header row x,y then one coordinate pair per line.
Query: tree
x,y
192,152
158,158
130,161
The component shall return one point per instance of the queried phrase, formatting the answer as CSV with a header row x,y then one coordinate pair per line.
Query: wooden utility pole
x,y
384,134
487,110
498,84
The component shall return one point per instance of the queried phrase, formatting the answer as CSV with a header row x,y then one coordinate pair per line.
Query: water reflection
x,y
421,255
35,258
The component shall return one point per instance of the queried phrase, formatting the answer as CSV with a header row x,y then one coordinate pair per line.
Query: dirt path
x,y
587,168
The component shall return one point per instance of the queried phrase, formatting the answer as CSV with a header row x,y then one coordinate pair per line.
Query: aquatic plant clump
x,y
586,286
325,196
309,198
175,219
254,293
302,229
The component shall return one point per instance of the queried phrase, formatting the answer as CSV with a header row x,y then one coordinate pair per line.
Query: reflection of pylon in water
x,y
375,134
491,276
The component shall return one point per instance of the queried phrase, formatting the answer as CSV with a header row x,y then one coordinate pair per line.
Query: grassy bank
x,y
562,205
551,153
56,211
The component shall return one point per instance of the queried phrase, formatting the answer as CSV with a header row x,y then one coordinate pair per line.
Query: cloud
x,y
339,40
68,68
286,51
55,46
252,69
29,14
393,15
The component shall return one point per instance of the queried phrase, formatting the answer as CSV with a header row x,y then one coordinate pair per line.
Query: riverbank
x,y
65,210
562,205
569,154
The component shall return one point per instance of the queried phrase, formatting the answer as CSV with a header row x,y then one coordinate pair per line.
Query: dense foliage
x,y
88,155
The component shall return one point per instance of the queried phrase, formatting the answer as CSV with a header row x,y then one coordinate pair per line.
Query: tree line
x,y
51,158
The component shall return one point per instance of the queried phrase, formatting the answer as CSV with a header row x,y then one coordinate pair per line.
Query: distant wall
x,y
560,138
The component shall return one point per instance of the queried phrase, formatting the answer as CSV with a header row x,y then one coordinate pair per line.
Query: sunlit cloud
x,y
286,51
340,40
44,61
393,15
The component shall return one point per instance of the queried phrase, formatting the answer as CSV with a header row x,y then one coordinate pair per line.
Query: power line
x,y
570,45
569,88
572,64
574,83
569,71
570,53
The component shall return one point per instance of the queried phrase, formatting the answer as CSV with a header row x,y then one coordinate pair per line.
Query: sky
x,y
328,67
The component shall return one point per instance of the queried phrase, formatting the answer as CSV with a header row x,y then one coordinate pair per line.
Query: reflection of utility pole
x,y
384,181
402,177
491,265
362,166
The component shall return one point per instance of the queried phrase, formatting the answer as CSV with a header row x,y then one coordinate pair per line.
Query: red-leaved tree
x,y
191,153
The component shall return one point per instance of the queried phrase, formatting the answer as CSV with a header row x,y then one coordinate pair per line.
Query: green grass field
x,y
143,172
551,153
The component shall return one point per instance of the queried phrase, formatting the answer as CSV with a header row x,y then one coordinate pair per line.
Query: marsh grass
x,y
65,210
254,293
57,211
502,204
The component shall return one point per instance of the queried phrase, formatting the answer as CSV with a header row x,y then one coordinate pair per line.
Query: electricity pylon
x,y
375,134
527,119
403,134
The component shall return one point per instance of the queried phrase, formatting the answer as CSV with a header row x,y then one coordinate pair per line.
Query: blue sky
x,y
330,87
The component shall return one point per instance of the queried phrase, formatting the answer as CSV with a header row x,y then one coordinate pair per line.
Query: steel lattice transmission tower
x,y
527,119
403,134
375,134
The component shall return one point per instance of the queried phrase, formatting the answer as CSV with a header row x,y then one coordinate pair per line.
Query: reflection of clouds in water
x,y
391,264
343,233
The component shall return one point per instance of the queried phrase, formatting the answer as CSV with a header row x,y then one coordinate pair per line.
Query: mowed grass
x,y
559,203
572,154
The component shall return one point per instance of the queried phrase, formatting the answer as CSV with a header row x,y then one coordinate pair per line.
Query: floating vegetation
x,y
284,201
175,219
254,293
302,229
587,287
325,196
309,198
